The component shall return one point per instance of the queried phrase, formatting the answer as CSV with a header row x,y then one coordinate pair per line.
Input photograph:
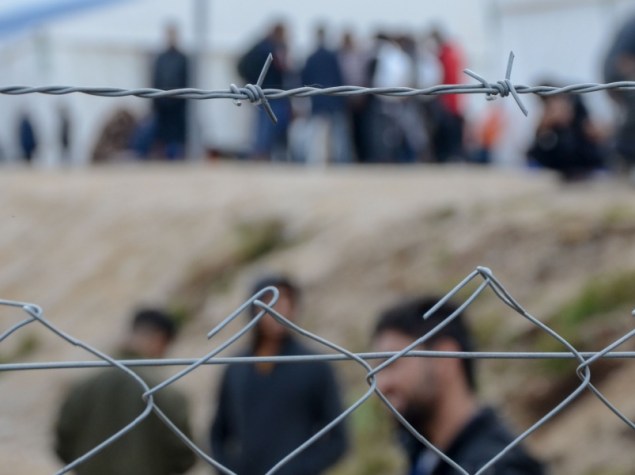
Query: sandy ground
x,y
90,245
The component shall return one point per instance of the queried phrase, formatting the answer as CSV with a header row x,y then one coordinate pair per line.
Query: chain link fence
x,y
481,278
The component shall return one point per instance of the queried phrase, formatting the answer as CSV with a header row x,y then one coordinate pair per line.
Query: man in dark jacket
x,y
171,71
437,396
98,407
266,410
270,140
566,140
329,140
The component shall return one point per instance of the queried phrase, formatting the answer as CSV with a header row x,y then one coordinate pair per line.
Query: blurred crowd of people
x,y
362,128
433,129
324,129
264,410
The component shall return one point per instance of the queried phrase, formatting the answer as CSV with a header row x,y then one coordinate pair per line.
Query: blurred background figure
x,y
353,61
98,407
398,132
116,138
328,128
428,73
437,396
484,134
449,121
270,139
65,134
619,65
566,140
170,71
266,410
27,137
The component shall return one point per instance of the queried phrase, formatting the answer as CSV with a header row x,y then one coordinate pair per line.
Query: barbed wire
x,y
481,275
254,93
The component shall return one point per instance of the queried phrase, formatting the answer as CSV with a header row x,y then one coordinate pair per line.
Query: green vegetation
x,y
27,344
442,213
255,239
608,471
618,214
373,450
246,243
599,296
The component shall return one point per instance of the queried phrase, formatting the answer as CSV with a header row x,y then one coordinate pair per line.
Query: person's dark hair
x,y
580,111
278,30
281,282
407,318
155,319
320,33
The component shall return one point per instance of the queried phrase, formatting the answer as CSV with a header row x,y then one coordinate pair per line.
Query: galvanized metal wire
x,y
254,94
482,278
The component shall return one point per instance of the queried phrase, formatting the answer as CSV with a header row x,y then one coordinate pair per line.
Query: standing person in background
x,y
619,65
484,135
398,130
65,134
270,139
354,63
437,396
566,140
448,139
171,71
27,137
329,131
98,407
428,73
267,410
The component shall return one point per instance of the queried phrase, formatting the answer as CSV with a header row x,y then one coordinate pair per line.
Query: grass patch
x,y
597,297
26,345
618,215
247,242
443,213
256,239
373,450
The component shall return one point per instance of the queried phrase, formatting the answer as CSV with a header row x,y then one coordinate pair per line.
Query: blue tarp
x,y
19,15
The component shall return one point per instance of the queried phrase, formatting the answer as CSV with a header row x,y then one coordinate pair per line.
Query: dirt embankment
x,y
89,246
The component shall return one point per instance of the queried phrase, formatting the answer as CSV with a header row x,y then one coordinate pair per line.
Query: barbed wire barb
x,y
502,88
255,94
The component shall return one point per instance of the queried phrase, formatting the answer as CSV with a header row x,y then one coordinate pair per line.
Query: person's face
x,y
279,34
149,342
558,111
172,36
410,384
269,327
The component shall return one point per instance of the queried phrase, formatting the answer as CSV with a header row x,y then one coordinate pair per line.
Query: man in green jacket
x,y
98,407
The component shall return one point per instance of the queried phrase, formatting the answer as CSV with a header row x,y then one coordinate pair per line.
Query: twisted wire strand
x,y
241,94
258,96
